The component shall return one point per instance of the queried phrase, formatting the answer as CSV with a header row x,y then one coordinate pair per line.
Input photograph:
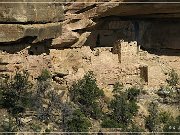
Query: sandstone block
x,y
66,39
84,23
30,12
82,40
14,32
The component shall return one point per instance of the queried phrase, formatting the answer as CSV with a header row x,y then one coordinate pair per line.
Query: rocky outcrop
x,y
114,20
26,32
118,8
92,24
15,32
66,39
39,27
23,12
24,23
81,24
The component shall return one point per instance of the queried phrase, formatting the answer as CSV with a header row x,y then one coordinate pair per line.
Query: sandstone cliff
x,y
134,44
39,28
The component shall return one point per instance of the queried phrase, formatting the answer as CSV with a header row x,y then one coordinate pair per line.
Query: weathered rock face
x,y
29,24
150,34
15,32
23,12
144,10
105,23
160,34
113,8
26,32
112,20
33,30
66,39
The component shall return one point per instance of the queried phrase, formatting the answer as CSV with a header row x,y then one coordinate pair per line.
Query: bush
x,y
165,92
132,93
117,89
43,82
133,129
133,107
43,95
165,117
110,123
173,78
172,126
152,121
123,107
78,122
45,75
15,93
123,110
35,127
86,94
8,126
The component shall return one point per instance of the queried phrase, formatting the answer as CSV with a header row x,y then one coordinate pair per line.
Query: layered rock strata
x,y
112,20
38,33
26,32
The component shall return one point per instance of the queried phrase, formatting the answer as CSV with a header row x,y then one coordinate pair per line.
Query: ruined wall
x,y
104,64
11,63
127,52
143,69
108,30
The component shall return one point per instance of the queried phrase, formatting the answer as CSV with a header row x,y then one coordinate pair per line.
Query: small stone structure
x,y
127,52
34,64
144,73
128,55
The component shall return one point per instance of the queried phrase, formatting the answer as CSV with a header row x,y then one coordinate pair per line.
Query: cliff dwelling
x,y
115,56
136,40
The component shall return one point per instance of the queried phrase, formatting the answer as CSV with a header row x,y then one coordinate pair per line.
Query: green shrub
x,y
86,94
36,128
117,89
8,126
173,78
123,107
172,126
165,117
47,131
43,95
132,93
134,130
45,75
123,110
110,123
15,93
152,121
133,107
43,82
78,122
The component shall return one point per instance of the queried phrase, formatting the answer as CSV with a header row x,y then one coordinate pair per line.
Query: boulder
x,y
82,40
66,39
81,24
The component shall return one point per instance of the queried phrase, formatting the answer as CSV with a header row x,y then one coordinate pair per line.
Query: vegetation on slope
x,y
87,102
